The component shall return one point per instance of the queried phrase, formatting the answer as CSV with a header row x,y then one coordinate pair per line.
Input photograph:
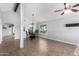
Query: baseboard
x,y
62,41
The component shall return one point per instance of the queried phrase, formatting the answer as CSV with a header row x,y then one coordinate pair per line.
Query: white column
x,y
0,31
21,37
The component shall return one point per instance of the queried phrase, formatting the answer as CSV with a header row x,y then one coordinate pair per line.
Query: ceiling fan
x,y
68,7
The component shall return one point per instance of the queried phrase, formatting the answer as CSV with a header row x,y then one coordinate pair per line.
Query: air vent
x,y
72,25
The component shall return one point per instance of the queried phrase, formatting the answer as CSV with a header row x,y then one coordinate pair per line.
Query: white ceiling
x,y
6,6
7,13
44,11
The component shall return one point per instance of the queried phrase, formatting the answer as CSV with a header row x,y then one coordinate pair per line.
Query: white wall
x,y
13,18
58,31
7,32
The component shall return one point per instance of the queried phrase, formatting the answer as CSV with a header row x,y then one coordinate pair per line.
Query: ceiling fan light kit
x,y
67,11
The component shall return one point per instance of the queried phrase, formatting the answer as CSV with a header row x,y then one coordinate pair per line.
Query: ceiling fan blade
x,y
16,6
62,13
74,10
58,10
76,5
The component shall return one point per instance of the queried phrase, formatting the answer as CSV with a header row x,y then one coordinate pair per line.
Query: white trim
x,y
62,41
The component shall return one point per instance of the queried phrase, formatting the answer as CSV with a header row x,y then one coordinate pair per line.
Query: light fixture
x,y
67,5
67,11
32,24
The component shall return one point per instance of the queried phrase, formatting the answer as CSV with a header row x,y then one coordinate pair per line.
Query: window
x,y
43,28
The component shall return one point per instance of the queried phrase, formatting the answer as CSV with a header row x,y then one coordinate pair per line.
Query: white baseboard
x,y
63,41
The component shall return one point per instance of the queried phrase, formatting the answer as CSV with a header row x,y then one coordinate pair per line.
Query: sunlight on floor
x,y
76,52
43,47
